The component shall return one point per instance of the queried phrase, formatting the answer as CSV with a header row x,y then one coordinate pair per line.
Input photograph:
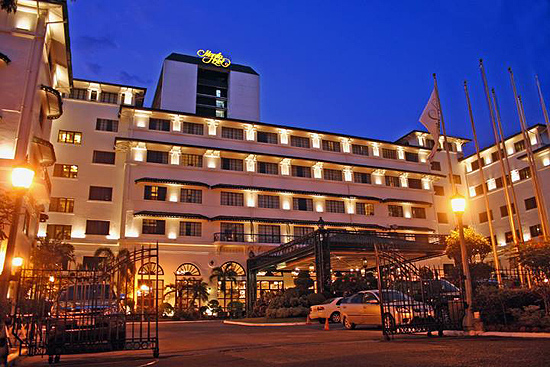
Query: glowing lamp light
x,y
17,262
22,177
144,288
458,204
51,279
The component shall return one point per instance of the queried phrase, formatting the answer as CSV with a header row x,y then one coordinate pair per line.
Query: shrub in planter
x,y
531,317
496,304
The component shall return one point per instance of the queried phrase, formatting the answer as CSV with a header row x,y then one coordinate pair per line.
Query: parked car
x,y
364,308
328,309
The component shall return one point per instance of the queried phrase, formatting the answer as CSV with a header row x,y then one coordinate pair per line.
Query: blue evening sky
x,y
356,67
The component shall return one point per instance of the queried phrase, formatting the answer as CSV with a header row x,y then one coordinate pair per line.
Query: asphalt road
x,y
215,344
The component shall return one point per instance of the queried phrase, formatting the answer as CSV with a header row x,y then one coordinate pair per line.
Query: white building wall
x,y
179,86
244,96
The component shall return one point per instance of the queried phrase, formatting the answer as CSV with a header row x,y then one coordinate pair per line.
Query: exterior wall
x,y
179,86
244,96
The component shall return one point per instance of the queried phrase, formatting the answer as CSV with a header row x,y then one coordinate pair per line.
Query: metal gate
x,y
416,300
109,307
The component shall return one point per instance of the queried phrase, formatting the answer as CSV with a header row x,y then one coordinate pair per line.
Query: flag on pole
x,y
430,120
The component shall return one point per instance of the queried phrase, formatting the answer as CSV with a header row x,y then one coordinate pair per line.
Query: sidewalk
x,y
502,334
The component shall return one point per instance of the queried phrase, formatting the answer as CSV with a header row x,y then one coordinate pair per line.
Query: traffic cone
x,y
326,324
308,320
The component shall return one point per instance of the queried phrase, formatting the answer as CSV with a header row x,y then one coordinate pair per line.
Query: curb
x,y
186,321
498,334
264,324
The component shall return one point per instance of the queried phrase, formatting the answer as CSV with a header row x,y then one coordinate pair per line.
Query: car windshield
x,y
392,296
448,287
326,302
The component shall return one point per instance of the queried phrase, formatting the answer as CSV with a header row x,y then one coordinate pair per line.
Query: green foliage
x,y
536,257
124,266
352,283
221,276
52,254
165,309
530,316
315,299
303,282
7,205
477,246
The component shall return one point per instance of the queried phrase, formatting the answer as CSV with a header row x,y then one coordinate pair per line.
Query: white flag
x,y
430,119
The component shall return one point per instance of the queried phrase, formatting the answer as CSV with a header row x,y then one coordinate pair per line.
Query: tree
x,y
303,282
125,267
199,289
6,212
477,246
8,5
52,254
222,276
536,257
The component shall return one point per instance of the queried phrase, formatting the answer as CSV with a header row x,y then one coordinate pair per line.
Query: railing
x,y
252,237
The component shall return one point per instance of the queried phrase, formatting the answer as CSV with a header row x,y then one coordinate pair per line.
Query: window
x,y
361,177
269,233
389,153
232,198
498,183
93,95
334,206
157,156
190,229
268,168
231,164
508,237
103,157
393,181
265,137
302,204
191,160
430,143
232,232
268,201
109,97
97,227
524,173
395,211
411,157
332,174
535,230
159,124
439,190
457,179
479,190
419,213
360,149
58,231
65,170
192,196
530,203
101,193
415,183
519,145
364,208
232,133
300,231
299,141
494,155
78,93
442,218
69,137
61,205
504,210
450,147
153,226
331,146
435,166
194,129
475,165
106,125
157,193
301,171
484,218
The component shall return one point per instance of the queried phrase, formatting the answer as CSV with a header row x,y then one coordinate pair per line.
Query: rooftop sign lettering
x,y
215,59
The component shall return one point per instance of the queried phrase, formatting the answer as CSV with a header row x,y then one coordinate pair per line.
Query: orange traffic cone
x,y
308,320
326,324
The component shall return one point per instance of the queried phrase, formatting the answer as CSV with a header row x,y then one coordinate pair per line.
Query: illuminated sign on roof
x,y
208,57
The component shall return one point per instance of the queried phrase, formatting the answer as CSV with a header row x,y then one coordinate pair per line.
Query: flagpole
x,y
543,106
485,196
507,161
530,159
446,145
499,152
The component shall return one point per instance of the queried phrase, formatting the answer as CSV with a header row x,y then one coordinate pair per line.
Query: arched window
x,y
187,276
148,287
150,269
234,290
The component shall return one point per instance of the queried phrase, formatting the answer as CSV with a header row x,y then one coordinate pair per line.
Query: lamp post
x,y
22,177
458,205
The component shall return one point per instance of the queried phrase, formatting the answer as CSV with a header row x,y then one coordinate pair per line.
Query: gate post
x,y
322,261
250,289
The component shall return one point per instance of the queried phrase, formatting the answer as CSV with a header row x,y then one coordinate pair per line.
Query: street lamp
x,y
458,205
22,177
17,262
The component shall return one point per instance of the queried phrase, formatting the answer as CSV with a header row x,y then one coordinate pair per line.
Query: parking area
x,y
216,344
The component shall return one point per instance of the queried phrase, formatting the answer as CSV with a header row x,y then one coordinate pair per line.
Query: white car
x,y
363,308
328,309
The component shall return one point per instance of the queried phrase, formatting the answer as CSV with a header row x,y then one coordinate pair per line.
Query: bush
x,y
531,316
187,315
315,299
495,305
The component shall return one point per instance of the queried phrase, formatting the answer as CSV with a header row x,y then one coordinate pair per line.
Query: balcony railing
x,y
252,237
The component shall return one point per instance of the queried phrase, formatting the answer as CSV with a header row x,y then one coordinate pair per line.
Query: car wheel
x,y
335,317
348,325
389,323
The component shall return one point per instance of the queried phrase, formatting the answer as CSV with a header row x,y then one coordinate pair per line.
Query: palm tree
x,y
125,266
52,254
222,276
199,290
